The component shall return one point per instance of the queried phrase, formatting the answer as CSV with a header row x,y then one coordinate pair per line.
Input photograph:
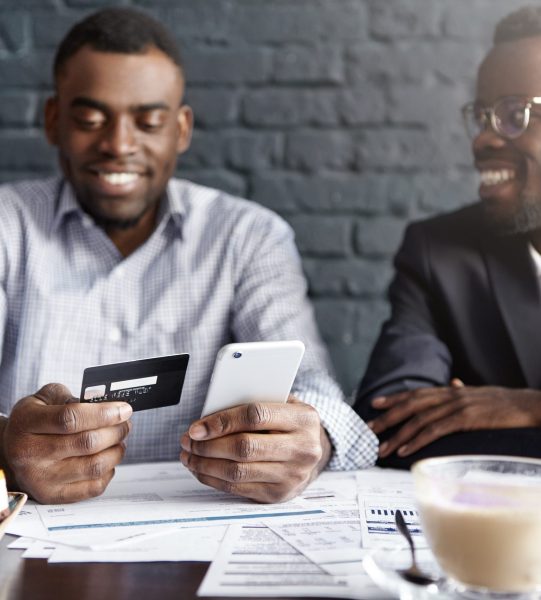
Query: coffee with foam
x,y
484,527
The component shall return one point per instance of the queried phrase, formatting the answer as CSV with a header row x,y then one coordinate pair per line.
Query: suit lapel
x,y
516,289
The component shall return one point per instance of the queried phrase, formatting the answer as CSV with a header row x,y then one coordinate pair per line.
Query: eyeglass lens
x,y
509,117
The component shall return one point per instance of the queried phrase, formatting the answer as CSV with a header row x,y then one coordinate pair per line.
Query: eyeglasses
x,y
509,116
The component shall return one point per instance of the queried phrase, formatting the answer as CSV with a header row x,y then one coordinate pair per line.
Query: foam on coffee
x,y
487,534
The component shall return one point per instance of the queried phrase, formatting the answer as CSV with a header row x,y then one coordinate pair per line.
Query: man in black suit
x,y
457,367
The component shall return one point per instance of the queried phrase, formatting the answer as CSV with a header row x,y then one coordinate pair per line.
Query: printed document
x,y
254,561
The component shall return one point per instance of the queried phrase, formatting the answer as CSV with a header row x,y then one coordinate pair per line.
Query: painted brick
x,y
394,19
227,65
312,150
447,191
206,150
414,61
252,150
14,31
17,109
29,71
349,361
369,318
336,319
278,21
309,63
337,193
323,235
221,179
95,3
26,151
213,107
271,107
348,277
362,105
468,20
397,148
48,32
209,20
378,236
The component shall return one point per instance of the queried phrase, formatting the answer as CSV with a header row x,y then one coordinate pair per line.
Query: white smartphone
x,y
253,371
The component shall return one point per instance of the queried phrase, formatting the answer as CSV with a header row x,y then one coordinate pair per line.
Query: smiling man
x,y
457,366
118,260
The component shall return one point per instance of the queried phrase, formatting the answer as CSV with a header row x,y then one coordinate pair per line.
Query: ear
x,y
185,126
51,120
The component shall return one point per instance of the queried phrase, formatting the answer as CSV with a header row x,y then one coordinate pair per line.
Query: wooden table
x,y
35,579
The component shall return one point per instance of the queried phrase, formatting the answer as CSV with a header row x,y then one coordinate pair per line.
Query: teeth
x,y
493,177
119,178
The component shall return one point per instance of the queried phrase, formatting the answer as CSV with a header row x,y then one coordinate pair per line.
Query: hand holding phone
x,y
254,439
253,371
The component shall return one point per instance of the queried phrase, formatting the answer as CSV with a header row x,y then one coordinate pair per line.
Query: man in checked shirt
x,y
117,260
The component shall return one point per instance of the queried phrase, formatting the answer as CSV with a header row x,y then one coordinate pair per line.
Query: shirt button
x,y
114,334
87,222
120,272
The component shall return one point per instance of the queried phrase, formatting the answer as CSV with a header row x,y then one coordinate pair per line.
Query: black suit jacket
x,y
465,303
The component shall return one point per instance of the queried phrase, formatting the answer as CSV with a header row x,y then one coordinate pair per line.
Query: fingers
x,y
63,451
412,433
34,415
98,466
264,451
400,407
250,447
232,471
433,432
258,416
86,443
265,493
66,493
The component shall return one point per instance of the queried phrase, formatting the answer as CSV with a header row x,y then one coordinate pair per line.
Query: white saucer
x,y
383,566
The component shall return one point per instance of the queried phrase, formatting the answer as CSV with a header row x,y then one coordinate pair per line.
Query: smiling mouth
x,y
118,178
491,177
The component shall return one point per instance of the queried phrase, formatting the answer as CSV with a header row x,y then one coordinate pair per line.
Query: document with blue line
x,y
161,494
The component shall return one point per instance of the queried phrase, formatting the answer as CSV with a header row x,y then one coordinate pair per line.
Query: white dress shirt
x,y
216,269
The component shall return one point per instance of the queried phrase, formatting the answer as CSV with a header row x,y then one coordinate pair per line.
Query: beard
x,y
122,224
525,219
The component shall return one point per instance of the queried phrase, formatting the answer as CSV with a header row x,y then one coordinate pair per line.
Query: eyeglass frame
x,y
489,115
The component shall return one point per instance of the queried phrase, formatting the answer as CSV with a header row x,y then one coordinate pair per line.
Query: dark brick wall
x,y
341,115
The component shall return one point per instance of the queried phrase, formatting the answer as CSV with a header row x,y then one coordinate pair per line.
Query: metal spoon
x,y
412,573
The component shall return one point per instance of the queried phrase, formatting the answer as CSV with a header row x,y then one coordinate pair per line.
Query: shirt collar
x,y
172,207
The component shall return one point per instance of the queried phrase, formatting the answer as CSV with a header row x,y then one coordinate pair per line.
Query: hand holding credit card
x,y
144,384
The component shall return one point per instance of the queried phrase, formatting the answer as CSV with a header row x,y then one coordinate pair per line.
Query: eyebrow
x,y
91,103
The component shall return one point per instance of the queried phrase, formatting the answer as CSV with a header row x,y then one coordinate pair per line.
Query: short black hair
x,y
117,30
522,23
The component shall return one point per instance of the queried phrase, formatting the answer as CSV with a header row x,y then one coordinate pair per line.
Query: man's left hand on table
x,y
427,414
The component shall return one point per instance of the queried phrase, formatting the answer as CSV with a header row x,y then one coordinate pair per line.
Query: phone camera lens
x,y
237,354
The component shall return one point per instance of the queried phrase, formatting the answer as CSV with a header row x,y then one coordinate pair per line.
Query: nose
x,y
119,138
487,138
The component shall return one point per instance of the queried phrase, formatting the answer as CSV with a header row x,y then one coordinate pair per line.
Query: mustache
x,y
495,155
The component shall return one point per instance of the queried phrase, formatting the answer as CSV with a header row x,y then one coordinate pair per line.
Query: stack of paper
x,y
312,545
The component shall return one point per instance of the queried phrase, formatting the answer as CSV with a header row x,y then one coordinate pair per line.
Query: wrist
x,y
326,448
